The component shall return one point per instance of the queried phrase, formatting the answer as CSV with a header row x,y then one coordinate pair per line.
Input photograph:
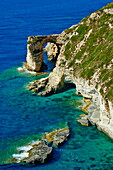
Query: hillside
x,y
90,49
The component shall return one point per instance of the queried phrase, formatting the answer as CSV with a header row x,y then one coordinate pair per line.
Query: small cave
x,y
69,86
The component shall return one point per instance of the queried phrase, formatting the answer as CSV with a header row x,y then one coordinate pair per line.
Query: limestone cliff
x,y
85,59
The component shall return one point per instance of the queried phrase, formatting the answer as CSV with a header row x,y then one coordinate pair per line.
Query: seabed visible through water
x,y
25,116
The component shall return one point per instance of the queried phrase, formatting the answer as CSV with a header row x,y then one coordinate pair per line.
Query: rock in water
x,y
57,137
83,120
35,153
39,153
38,85
60,137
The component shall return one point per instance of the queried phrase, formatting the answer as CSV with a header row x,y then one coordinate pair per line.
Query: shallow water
x,y
25,116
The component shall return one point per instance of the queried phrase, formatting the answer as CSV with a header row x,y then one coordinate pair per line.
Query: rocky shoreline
x,y
67,72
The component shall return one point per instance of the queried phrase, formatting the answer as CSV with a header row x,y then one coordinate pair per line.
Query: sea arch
x,y
35,45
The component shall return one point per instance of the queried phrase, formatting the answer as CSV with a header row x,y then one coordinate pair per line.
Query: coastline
x,y
64,75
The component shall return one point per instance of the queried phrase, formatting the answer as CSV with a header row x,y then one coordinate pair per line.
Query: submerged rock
x,y
57,137
83,120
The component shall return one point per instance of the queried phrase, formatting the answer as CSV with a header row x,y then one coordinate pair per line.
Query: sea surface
x,y
25,116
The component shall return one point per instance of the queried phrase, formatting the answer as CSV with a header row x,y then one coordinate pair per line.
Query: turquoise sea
x,y
25,116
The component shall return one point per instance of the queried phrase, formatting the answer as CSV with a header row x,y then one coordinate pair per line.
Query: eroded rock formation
x,y
35,47
86,60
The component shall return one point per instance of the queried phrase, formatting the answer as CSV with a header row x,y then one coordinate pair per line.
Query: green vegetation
x,y
96,52
29,42
101,91
109,94
33,53
35,40
67,50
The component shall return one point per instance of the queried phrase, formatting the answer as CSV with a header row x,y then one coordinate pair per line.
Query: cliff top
x,y
89,49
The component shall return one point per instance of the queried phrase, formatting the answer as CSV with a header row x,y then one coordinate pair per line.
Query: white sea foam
x,y
21,155
24,148
20,69
31,72
23,69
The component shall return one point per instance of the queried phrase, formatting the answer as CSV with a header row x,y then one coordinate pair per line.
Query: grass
x,y
98,48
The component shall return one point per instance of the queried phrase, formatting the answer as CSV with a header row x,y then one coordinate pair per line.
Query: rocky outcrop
x,y
57,137
33,153
34,60
39,151
109,11
83,120
38,85
85,60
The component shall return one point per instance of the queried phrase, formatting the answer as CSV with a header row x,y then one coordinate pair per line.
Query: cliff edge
x,y
84,59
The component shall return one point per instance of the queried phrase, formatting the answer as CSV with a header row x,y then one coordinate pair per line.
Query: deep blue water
x,y
25,116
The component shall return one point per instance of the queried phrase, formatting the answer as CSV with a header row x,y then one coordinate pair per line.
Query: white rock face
x,y
108,11
95,15
51,50
30,60
33,61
